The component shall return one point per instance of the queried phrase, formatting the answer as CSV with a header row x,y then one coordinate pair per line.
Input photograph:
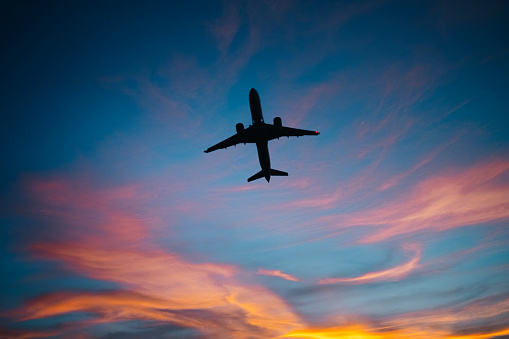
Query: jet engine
x,y
240,128
278,123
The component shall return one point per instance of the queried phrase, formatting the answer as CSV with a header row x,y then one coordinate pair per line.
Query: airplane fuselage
x,y
256,106
258,123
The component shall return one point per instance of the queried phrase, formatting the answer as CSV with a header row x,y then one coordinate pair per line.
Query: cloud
x,y
103,237
376,138
302,104
396,179
453,199
363,332
392,274
484,319
468,314
277,273
108,234
26,334
226,28
352,332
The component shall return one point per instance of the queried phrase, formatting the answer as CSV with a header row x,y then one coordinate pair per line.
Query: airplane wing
x,y
274,132
244,138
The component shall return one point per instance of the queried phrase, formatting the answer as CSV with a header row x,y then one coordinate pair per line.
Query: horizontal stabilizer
x,y
277,173
256,176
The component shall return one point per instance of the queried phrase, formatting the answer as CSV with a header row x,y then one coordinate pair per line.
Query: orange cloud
x,y
395,273
481,336
468,314
277,273
116,306
456,199
180,285
26,334
104,238
122,304
353,332
363,332
433,324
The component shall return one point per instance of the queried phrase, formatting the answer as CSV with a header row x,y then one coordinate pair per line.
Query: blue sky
x,y
392,222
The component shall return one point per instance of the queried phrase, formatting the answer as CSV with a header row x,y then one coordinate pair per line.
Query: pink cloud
x,y
114,243
427,159
318,199
399,89
277,273
301,106
106,239
392,274
454,199
227,26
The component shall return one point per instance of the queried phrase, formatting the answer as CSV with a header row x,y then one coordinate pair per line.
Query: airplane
x,y
260,133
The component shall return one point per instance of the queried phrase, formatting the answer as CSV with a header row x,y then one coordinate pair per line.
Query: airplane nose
x,y
252,93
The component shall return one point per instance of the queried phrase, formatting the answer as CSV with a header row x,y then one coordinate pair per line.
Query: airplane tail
x,y
276,173
273,172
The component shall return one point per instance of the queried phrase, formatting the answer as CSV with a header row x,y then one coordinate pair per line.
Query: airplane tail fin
x,y
256,176
273,172
277,173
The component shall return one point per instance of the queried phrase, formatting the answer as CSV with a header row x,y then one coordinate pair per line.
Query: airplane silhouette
x,y
260,133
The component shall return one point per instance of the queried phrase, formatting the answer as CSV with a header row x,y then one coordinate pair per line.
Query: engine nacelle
x,y
278,123
240,128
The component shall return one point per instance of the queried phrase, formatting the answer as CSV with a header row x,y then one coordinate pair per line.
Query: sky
x,y
392,223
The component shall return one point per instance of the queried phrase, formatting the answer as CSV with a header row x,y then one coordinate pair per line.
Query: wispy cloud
x,y
453,199
299,107
392,274
277,273
467,314
113,244
365,332
225,28
105,234
427,159
479,319
26,334
353,331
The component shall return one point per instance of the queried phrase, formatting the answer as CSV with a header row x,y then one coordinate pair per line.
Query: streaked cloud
x,y
277,273
467,314
225,28
353,332
26,334
395,273
436,324
456,198
117,247
361,332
